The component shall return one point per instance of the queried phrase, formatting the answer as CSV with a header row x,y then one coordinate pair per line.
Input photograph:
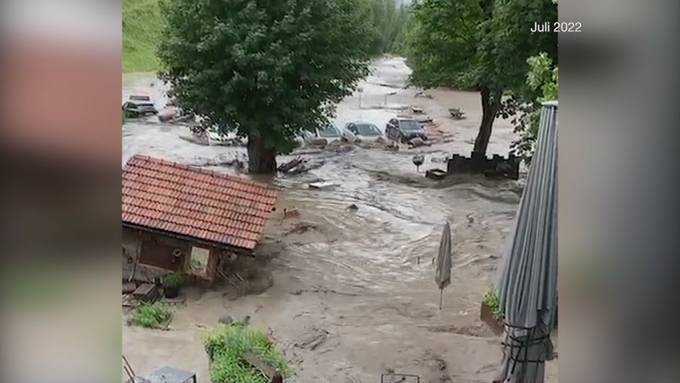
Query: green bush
x,y
151,315
226,347
492,300
173,280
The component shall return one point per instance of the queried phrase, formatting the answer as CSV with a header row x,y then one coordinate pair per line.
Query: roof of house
x,y
194,202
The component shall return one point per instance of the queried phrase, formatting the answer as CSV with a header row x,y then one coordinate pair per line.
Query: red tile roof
x,y
194,202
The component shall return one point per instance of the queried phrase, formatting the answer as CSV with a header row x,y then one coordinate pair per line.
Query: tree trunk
x,y
261,158
490,106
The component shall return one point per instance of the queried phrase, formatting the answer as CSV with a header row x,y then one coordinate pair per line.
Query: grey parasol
x,y
442,275
528,278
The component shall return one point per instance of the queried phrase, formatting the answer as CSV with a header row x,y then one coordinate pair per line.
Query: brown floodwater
x,y
353,292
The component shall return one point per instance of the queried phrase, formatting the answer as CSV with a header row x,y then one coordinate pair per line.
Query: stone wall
x,y
478,163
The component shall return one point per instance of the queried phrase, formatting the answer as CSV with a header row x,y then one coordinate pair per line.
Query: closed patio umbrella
x,y
528,277
442,275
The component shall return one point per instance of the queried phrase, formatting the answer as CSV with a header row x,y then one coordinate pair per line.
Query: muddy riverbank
x,y
353,292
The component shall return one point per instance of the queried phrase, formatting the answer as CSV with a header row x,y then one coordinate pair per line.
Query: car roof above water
x,y
404,119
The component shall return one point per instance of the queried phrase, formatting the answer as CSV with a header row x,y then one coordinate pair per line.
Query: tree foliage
x,y
442,43
542,80
543,77
509,42
386,25
482,45
264,68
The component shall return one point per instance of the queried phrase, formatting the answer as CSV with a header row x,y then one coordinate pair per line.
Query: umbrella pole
x,y
441,293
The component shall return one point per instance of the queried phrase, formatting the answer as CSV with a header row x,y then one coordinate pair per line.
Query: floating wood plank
x,y
322,185
129,287
143,290
290,165
129,301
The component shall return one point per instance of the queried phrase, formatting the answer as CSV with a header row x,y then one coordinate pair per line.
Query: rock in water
x,y
226,319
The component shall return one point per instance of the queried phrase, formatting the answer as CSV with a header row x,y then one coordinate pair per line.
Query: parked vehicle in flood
x,y
327,133
404,130
139,105
362,131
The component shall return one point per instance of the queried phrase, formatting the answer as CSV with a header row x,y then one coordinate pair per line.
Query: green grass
x,y
142,26
226,346
151,315
492,300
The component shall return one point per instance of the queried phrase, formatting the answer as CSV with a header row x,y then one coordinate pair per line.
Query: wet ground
x,y
353,293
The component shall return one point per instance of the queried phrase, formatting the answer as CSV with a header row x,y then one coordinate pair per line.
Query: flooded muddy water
x,y
353,291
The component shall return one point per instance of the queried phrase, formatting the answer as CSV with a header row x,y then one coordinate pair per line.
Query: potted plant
x,y
172,283
491,311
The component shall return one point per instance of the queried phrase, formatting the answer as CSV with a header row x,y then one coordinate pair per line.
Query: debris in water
x,y
416,142
175,115
436,174
226,319
290,213
290,165
302,228
322,185
392,146
353,207
456,113
470,218
300,165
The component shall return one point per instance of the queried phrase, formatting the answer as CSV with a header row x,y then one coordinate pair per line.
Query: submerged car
x,y
139,105
362,131
328,133
404,130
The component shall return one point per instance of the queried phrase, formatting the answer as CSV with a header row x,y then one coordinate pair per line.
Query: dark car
x,y
139,105
404,130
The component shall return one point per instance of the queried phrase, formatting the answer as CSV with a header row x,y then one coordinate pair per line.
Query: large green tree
x,y
266,69
481,45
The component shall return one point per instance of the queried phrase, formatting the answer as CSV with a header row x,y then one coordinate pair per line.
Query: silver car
x,y
362,131
139,105
328,132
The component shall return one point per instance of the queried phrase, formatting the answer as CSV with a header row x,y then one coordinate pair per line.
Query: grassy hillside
x,y
142,24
